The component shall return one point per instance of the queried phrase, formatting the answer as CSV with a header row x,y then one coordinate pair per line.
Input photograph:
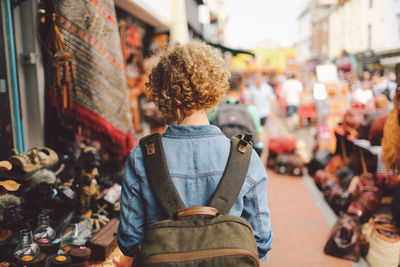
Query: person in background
x,y
187,81
366,78
364,95
233,98
383,84
392,86
292,90
261,95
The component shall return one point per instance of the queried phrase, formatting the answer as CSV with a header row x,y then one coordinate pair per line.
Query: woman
x,y
188,80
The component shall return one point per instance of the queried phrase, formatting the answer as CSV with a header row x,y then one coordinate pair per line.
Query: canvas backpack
x,y
197,236
234,119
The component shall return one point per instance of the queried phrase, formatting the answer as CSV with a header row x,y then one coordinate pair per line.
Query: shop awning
x,y
231,50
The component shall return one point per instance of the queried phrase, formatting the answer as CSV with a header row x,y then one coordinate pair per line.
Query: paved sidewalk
x,y
301,218
300,230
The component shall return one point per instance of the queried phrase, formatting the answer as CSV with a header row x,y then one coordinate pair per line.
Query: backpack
x,y
197,236
234,119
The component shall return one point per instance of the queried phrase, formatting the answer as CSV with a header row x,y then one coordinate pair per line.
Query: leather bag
x,y
345,239
345,176
290,164
352,120
366,198
321,177
319,161
338,198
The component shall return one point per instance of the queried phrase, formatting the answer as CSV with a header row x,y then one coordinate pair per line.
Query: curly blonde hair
x,y
187,78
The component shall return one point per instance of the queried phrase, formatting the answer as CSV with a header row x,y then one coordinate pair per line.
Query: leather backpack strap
x,y
158,174
234,174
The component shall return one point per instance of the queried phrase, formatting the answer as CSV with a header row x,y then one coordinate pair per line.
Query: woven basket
x,y
383,250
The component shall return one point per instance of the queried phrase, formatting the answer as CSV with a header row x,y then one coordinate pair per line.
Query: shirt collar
x,y
175,130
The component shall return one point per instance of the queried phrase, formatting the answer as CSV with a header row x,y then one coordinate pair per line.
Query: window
x,y
369,35
398,25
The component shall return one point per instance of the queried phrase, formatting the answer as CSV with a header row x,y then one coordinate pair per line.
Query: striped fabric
x,y
100,101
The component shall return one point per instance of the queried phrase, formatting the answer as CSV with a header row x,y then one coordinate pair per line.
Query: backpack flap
x,y
158,174
234,174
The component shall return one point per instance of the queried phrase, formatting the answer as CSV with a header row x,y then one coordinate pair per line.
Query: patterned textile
x,y
100,101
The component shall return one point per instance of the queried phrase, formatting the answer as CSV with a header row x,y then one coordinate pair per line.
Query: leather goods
x,y
395,206
281,145
104,241
369,119
345,176
366,198
10,185
376,131
206,235
352,120
5,165
296,165
334,164
197,211
365,179
384,241
338,198
319,161
321,177
344,240
362,160
289,164
344,144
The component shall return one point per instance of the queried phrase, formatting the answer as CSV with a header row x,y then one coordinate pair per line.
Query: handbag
x,y
384,242
366,198
321,177
345,176
319,161
338,198
345,239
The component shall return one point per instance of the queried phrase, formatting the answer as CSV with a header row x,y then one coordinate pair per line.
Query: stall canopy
x,y
231,50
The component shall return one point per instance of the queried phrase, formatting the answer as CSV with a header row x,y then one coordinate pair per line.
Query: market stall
x,y
360,181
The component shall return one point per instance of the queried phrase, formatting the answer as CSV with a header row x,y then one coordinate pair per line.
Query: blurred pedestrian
x,y
236,118
364,94
292,90
188,80
261,95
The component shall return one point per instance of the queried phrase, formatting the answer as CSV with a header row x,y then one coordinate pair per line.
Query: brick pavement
x,y
300,230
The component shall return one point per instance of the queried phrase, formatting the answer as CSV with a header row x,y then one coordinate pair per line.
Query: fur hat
x,y
43,176
7,201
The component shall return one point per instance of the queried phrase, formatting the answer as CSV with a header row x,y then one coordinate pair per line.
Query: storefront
x,y
71,92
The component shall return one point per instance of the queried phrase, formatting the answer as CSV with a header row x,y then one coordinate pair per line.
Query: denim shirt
x,y
196,157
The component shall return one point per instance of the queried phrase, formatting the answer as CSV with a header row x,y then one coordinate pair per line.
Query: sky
x,y
252,21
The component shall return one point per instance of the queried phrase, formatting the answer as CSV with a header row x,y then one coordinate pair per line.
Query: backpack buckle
x,y
150,149
244,141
